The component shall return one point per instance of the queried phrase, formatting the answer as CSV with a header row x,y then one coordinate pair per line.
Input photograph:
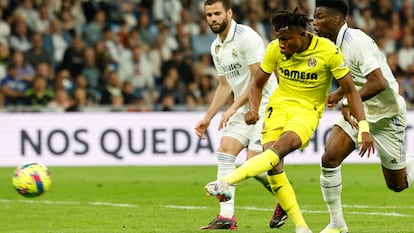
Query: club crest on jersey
x,y
311,62
234,53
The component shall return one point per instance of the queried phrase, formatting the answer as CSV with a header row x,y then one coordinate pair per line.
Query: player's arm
x,y
242,100
353,97
255,96
355,104
220,97
375,84
245,97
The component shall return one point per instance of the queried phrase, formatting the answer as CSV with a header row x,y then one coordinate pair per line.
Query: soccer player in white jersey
x,y
237,52
384,107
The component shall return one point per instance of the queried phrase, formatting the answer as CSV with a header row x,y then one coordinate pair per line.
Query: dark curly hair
x,y
339,5
284,18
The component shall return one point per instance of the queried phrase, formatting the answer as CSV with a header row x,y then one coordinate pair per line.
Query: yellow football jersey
x,y
305,78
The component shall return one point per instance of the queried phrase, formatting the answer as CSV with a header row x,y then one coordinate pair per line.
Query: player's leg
x,y
227,153
269,158
389,137
254,148
262,177
282,189
339,145
279,216
397,180
226,157
296,134
235,139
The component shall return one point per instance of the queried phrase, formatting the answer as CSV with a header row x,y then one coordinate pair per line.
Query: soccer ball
x,y
31,179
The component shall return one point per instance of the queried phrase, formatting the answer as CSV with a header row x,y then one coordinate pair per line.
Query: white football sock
x,y
410,170
331,186
226,165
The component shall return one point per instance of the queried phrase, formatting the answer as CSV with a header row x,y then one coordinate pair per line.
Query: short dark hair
x,y
340,5
226,3
285,18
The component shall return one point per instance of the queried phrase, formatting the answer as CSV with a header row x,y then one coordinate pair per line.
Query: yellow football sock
x,y
260,163
285,194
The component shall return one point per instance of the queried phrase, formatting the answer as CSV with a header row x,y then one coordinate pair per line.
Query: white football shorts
x,y
389,139
249,136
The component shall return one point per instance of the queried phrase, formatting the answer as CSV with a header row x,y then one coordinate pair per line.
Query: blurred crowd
x,y
151,55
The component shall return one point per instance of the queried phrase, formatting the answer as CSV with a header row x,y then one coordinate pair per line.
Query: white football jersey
x,y
363,56
232,57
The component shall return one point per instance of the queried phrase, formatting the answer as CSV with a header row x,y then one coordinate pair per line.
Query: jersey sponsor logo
x,y
232,70
305,78
258,142
232,67
298,75
233,74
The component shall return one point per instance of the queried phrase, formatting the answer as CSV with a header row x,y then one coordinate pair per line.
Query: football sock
x,y
410,171
331,186
285,194
262,178
226,165
260,163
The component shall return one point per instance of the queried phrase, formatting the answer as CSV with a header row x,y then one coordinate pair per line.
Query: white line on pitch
x,y
376,207
303,210
48,202
71,203
348,212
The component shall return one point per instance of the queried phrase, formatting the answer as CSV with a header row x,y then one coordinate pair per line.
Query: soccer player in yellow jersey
x,y
305,64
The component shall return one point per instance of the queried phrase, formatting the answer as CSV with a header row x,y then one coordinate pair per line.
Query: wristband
x,y
363,127
345,102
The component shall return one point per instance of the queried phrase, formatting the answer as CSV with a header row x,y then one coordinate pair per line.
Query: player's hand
x,y
366,145
226,117
346,113
332,99
251,117
201,128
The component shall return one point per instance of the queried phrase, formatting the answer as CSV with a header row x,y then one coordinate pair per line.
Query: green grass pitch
x,y
172,199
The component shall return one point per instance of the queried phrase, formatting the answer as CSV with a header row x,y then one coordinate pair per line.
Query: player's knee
x,y
396,187
224,149
329,160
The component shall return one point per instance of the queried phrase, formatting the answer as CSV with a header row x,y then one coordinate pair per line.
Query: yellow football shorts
x,y
281,118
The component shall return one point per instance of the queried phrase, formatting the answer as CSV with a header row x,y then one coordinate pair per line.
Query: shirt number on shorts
x,y
269,110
